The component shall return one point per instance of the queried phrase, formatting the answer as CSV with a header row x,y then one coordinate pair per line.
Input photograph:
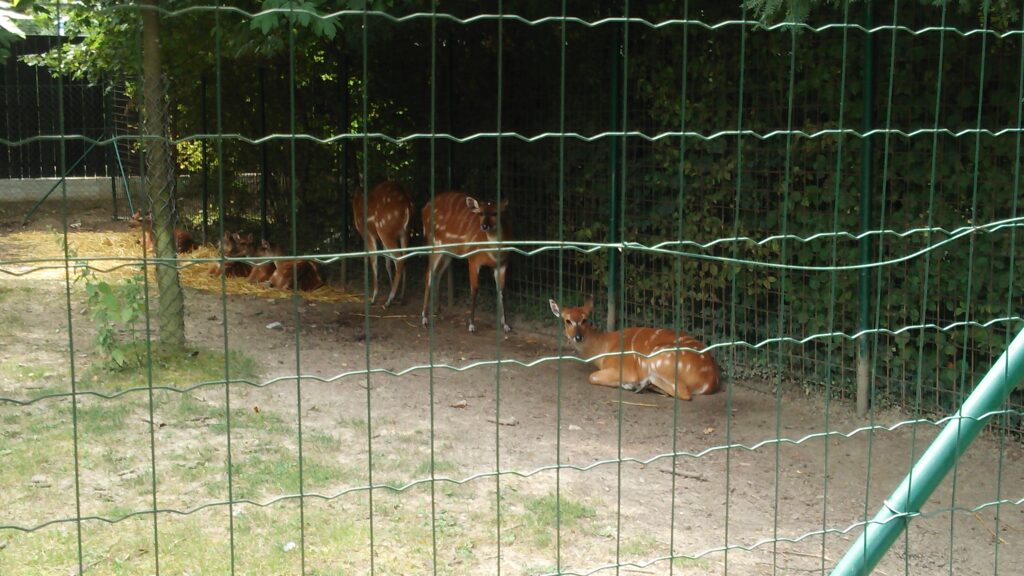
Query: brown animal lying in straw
x,y
234,245
183,241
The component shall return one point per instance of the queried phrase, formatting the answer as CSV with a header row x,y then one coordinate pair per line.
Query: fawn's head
x,y
237,244
575,321
488,213
138,219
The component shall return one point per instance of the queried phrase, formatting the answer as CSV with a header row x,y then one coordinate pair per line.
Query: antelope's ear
x,y
554,308
503,204
588,306
473,204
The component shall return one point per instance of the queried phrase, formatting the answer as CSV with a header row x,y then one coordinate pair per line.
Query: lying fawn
x,y
287,271
183,241
234,245
454,217
657,361
262,272
388,209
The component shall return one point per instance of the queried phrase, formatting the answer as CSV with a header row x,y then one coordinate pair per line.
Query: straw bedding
x,y
21,253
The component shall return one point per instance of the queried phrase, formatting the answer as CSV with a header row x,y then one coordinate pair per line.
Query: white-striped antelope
x,y
454,217
658,360
388,210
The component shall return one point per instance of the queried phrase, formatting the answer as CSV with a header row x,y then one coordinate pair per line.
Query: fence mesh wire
x,y
790,194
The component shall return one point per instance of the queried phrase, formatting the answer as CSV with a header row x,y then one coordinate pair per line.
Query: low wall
x,y
30,190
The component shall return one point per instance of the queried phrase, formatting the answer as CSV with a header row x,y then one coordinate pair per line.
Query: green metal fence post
x,y
346,126
108,158
449,272
863,352
615,61
263,154
935,463
206,158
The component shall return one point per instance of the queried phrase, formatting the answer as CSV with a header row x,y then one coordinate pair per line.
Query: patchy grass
x,y
538,521
101,417
247,418
441,468
276,471
174,369
186,430
641,547
24,373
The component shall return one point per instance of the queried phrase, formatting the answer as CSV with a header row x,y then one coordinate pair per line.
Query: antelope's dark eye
x,y
567,322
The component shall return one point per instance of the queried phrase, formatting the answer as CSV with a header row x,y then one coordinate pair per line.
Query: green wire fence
x,y
824,193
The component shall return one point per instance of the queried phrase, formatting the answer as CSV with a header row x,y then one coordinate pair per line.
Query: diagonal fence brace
x,y
907,500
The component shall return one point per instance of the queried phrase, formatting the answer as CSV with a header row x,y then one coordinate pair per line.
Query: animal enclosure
x,y
820,205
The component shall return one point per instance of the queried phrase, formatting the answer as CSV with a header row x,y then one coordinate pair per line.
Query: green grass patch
x,y
247,418
539,519
641,547
275,471
177,369
356,424
320,441
188,408
102,416
441,467
24,373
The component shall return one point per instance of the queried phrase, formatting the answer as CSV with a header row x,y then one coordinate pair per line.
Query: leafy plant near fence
x,y
118,312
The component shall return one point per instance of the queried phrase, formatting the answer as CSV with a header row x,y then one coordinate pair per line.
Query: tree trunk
x,y
159,182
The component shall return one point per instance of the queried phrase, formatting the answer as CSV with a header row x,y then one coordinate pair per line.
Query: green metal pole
x,y
108,158
346,127
449,272
613,194
263,155
935,463
206,159
863,352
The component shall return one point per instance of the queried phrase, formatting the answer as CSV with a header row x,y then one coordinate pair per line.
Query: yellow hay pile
x,y
92,246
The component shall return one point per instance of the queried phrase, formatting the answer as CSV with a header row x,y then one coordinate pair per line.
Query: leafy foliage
x,y
118,312
12,15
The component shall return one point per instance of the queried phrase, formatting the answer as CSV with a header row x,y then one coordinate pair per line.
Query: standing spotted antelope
x,y
388,210
454,217
664,368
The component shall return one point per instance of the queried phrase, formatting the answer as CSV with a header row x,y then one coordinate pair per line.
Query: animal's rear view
x,y
657,361
388,210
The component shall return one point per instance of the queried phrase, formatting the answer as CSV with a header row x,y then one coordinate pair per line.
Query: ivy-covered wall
x,y
792,173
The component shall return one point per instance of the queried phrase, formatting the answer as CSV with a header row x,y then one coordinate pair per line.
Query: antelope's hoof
x,y
506,328
425,321
472,328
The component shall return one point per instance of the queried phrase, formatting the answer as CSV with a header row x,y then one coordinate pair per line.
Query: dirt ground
x,y
760,507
